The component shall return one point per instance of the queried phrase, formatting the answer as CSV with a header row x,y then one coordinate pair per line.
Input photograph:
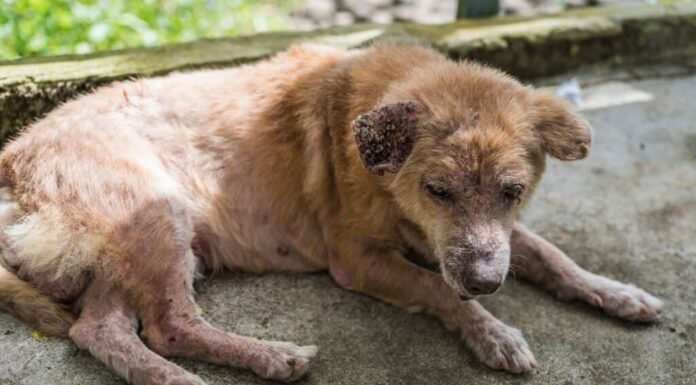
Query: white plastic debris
x,y
612,94
570,90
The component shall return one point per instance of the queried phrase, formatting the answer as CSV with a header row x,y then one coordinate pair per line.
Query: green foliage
x,y
51,27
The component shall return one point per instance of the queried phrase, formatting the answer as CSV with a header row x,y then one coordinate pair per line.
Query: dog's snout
x,y
482,285
478,263
485,254
481,272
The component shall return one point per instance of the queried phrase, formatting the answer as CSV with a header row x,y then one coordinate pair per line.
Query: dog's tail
x,y
25,302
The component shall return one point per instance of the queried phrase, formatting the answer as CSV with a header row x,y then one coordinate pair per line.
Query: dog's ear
x,y
385,136
564,134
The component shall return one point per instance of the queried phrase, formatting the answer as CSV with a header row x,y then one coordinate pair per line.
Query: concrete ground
x,y
628,212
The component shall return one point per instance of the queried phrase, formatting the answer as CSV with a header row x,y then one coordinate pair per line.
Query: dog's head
x,y
463,148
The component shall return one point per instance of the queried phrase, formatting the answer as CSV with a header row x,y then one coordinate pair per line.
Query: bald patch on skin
x,y
385,136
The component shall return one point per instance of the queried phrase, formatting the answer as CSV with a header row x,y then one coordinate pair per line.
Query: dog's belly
x,y
248,235
269,249
261,248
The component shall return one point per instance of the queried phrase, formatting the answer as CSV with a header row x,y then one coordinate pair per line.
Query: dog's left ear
x,y
385,136
564,134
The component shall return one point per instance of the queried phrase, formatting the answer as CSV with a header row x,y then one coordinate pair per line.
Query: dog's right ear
x,y
564,134
385,136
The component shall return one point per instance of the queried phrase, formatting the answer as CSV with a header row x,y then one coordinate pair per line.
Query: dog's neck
x,y
353,87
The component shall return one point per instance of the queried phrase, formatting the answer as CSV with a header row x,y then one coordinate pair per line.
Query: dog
x,y
315,159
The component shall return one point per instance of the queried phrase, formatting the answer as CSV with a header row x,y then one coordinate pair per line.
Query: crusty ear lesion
x,y
385,136
564,134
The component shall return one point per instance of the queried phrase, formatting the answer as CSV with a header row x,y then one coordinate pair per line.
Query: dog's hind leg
x,y
107,328
158,278
536,260
172,328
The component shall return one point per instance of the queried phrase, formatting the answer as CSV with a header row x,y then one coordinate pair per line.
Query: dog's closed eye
x,y
438,192
513,193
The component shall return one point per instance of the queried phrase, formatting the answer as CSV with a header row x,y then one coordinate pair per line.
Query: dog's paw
x,y
188,379
283,361
621,300
501,347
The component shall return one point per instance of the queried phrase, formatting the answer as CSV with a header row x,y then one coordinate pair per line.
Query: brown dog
x,y
316,159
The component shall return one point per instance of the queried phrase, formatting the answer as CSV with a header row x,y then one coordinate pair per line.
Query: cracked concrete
x,y
628,212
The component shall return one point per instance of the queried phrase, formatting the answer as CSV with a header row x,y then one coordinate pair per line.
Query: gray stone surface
x,y
628,212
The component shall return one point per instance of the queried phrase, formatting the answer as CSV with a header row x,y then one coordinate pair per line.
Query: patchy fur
x,y
316,159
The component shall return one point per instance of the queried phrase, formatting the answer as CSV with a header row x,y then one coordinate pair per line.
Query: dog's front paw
x,y
501,347
622,300
283,361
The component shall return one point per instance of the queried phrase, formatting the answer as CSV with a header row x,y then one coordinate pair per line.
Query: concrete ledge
x,y
527,48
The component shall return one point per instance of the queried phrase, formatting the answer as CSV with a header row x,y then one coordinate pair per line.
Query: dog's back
x,y
75,181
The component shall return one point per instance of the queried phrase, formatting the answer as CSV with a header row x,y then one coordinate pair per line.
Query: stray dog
x,y
317,159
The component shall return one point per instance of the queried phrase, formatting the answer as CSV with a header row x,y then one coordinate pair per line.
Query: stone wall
x,y
526,48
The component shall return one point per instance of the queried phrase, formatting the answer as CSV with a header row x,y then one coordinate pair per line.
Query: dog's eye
x,y
437,192
513,193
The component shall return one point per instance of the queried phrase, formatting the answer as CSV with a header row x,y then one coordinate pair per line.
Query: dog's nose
x,y
482,285
477,270
481,276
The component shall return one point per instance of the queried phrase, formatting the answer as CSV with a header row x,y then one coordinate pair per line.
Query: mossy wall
x,y
526,48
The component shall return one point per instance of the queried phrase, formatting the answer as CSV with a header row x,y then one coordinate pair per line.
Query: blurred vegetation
x,y
52,27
